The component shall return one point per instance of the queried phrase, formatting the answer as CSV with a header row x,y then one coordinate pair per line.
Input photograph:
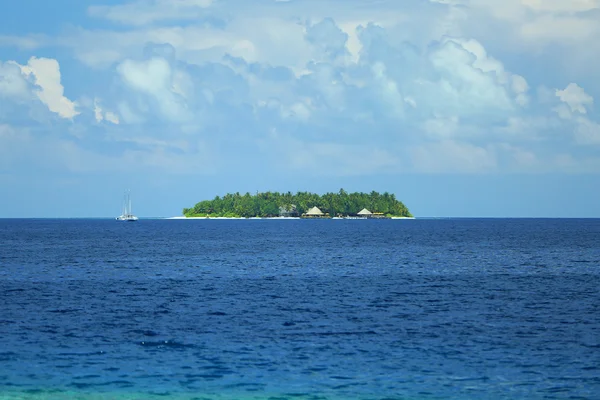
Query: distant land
x,y
302,204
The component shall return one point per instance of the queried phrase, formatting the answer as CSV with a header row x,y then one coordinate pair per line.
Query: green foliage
x,y
272,204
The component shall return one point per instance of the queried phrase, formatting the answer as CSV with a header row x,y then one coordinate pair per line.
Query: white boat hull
x,y
127,215
127,218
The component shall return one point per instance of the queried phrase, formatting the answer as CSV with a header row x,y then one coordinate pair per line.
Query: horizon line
x,y
181,217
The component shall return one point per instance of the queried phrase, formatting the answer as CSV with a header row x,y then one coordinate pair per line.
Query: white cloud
x,y
101,115
388,90
575,97
98,113
154,78
12,82
482,61
471,82
264,31
45,73
111,117
417,82
520,88
489,65
151,77
182,84
561,32
452,92
39,79
328,39
519,84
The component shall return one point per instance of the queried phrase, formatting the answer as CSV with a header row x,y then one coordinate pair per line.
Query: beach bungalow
x,y
315,213
364,213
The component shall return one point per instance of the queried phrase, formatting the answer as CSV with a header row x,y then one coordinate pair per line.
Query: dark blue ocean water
x,y
336,309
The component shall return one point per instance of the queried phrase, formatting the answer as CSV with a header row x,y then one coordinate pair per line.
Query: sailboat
x,y
127,215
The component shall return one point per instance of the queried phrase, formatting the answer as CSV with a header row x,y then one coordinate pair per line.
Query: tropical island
x,y
300,205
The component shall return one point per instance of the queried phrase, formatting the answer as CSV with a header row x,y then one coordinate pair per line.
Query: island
x,y
301,205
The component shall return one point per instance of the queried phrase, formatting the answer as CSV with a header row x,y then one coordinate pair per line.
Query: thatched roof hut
x,y
365,212
314,212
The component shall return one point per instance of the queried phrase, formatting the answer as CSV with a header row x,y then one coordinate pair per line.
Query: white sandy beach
x,y
190,218
272,218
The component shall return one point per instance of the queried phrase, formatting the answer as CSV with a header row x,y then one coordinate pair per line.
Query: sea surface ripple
x,y
296,309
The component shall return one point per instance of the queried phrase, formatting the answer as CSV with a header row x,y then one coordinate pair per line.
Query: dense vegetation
x,y
273,204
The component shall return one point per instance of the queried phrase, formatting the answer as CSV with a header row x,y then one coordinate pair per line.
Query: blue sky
x,y
459,107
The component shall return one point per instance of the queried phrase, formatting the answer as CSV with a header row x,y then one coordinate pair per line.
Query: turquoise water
x,y
338,309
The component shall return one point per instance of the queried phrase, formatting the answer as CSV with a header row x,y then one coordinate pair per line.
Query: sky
x,y
461,108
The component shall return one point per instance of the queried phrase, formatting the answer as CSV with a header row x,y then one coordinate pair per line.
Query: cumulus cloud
x,y
520,88
447,95
470,82
328,38
575,97
12,82
45,73
412,87
37,81
154,78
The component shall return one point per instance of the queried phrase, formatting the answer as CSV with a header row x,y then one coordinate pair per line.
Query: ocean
x,y
300,309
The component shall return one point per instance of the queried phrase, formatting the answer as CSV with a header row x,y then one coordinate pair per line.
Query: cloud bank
x,y
308,87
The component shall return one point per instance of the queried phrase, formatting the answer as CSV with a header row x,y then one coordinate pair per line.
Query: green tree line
x,y
273,204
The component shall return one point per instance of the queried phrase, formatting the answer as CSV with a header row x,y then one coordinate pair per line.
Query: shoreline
x,y
270,218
